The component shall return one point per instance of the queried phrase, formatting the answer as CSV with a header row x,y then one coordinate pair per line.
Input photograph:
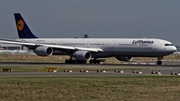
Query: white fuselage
x,y
135,47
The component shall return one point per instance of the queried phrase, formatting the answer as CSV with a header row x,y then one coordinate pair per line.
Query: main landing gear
x,y
94,61
71,61
159,62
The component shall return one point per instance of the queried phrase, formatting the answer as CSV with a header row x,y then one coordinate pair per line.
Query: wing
x,y
49,45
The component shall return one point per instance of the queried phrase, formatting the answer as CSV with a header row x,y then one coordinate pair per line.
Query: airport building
x,y
12,47
15,49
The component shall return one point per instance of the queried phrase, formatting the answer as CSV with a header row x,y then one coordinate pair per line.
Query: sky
x,y
97,18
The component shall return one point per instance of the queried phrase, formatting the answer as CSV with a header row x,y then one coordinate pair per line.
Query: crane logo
x,y
20,25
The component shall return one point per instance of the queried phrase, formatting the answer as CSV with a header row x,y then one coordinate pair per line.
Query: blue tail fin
x,y
22,28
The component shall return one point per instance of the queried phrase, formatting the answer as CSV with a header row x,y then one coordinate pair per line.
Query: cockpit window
x,y
168,45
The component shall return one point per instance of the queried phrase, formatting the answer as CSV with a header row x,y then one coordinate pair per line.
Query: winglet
x,y
22,28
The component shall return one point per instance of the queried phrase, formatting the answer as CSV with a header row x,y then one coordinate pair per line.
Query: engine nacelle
x,y
82,55
43,51
124,58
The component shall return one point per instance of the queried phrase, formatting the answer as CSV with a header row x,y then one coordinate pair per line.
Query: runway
x,y
165,70
135,63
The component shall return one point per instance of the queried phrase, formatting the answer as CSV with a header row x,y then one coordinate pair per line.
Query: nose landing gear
x,y
159,62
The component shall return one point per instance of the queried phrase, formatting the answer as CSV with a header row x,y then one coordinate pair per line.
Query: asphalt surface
x,y
90,73
168,68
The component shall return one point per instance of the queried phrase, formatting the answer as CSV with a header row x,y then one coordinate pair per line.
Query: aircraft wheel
x,y
84,62
159,62
78,62
67,61
98,61
70,61
91,61
94,61
73,61
81,62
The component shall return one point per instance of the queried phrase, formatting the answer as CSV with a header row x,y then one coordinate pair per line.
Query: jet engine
x,y
43,51
82,55
124,58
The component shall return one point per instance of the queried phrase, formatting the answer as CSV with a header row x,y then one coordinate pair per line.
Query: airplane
x,y
82,50
86,36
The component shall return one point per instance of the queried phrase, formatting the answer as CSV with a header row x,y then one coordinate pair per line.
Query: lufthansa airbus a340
x,y
82,50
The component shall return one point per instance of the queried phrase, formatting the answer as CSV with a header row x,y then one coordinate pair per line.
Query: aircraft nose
x,y
173,49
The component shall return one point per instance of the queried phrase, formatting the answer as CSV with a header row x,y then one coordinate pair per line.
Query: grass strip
x,y
138,88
